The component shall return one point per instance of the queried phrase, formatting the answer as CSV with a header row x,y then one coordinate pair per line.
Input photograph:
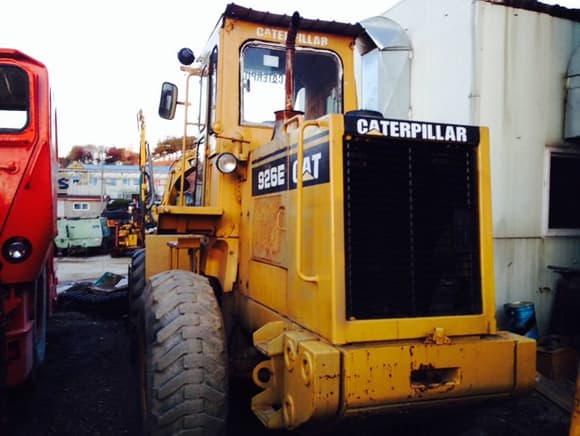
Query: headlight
x,y
17,249
226,163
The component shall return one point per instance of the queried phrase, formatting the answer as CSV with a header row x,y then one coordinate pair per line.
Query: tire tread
x,y
187,362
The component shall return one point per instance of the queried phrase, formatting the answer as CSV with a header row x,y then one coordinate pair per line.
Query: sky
x,y
107,59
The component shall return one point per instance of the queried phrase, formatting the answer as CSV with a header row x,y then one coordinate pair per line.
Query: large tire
x,y
136,278
182,357
82,298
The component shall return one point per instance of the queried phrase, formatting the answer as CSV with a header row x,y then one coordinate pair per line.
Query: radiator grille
x,y
411,229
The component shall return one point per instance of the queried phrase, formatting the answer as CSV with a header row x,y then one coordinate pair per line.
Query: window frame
x,y
548,231
29,108
281,48
83,206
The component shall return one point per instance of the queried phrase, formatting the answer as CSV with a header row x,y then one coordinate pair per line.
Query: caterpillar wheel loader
x,y
346,258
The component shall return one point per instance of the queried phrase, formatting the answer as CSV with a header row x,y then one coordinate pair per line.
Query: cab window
x,y
14,101
317,83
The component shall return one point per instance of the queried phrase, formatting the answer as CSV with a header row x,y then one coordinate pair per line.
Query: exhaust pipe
x,y
288,111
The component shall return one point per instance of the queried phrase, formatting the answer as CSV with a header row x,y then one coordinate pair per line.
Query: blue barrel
x,y
521,318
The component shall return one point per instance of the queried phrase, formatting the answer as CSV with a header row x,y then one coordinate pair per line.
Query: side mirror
x,y
168,101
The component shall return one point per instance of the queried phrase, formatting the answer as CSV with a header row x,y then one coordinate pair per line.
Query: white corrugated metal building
x,y
513,66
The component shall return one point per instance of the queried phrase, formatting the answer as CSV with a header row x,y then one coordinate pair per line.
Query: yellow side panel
x,y
486,229
525,361
222,261
158,255
311,303
269,230
318,304
268,284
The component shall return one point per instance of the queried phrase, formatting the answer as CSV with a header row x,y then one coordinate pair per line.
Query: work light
x,y
226,163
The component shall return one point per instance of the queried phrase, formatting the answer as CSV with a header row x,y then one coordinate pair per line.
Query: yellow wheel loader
x,y
351,252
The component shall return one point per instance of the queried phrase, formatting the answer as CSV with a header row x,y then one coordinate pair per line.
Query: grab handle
x,y
299,201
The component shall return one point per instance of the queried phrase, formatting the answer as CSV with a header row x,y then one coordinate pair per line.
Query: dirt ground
x,y
87,386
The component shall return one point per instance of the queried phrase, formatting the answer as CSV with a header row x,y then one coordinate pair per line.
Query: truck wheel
x,y
182,357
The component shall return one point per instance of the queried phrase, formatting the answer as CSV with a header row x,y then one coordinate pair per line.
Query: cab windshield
x,y
14,99
317,83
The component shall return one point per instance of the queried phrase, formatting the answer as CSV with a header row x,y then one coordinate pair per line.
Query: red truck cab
x,y
28,164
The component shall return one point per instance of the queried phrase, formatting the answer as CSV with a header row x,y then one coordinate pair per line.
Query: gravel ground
x,y
87,386
84,386
72,269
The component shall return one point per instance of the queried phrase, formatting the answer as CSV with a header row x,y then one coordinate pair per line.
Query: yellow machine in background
x,y
353,251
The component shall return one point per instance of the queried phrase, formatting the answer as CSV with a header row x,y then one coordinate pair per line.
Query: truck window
x,y
14,101
317,83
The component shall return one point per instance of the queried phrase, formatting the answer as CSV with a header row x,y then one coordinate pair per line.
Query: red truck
x,y
28,163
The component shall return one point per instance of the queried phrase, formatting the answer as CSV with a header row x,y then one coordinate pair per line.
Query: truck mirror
x,y
168,101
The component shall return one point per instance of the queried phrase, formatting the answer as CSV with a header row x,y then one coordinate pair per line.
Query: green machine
x,y
81,235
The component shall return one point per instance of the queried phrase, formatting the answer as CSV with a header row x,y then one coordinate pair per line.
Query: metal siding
x,y
441,68
522,273
524,74
503,68
572,121
528,81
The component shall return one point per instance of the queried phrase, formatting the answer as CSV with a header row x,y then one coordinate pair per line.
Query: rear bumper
x,y
311,380
409,373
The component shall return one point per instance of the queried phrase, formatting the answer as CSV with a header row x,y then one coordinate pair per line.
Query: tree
x,y
91,154
85,154
122,155
172,145
113,155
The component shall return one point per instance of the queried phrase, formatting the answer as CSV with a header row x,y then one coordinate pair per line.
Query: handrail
x,y
181,201
299,197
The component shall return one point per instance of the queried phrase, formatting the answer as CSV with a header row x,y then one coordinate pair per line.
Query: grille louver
x,y
412,245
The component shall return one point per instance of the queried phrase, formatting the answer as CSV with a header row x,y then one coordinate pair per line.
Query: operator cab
x,y
242,87
317,81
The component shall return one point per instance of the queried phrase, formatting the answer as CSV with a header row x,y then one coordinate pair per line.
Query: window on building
x,y
80,206
563,205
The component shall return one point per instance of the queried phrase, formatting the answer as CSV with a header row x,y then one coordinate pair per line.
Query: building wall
x,y
522,82
113,181
441,79
80,207
521,77
486,64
